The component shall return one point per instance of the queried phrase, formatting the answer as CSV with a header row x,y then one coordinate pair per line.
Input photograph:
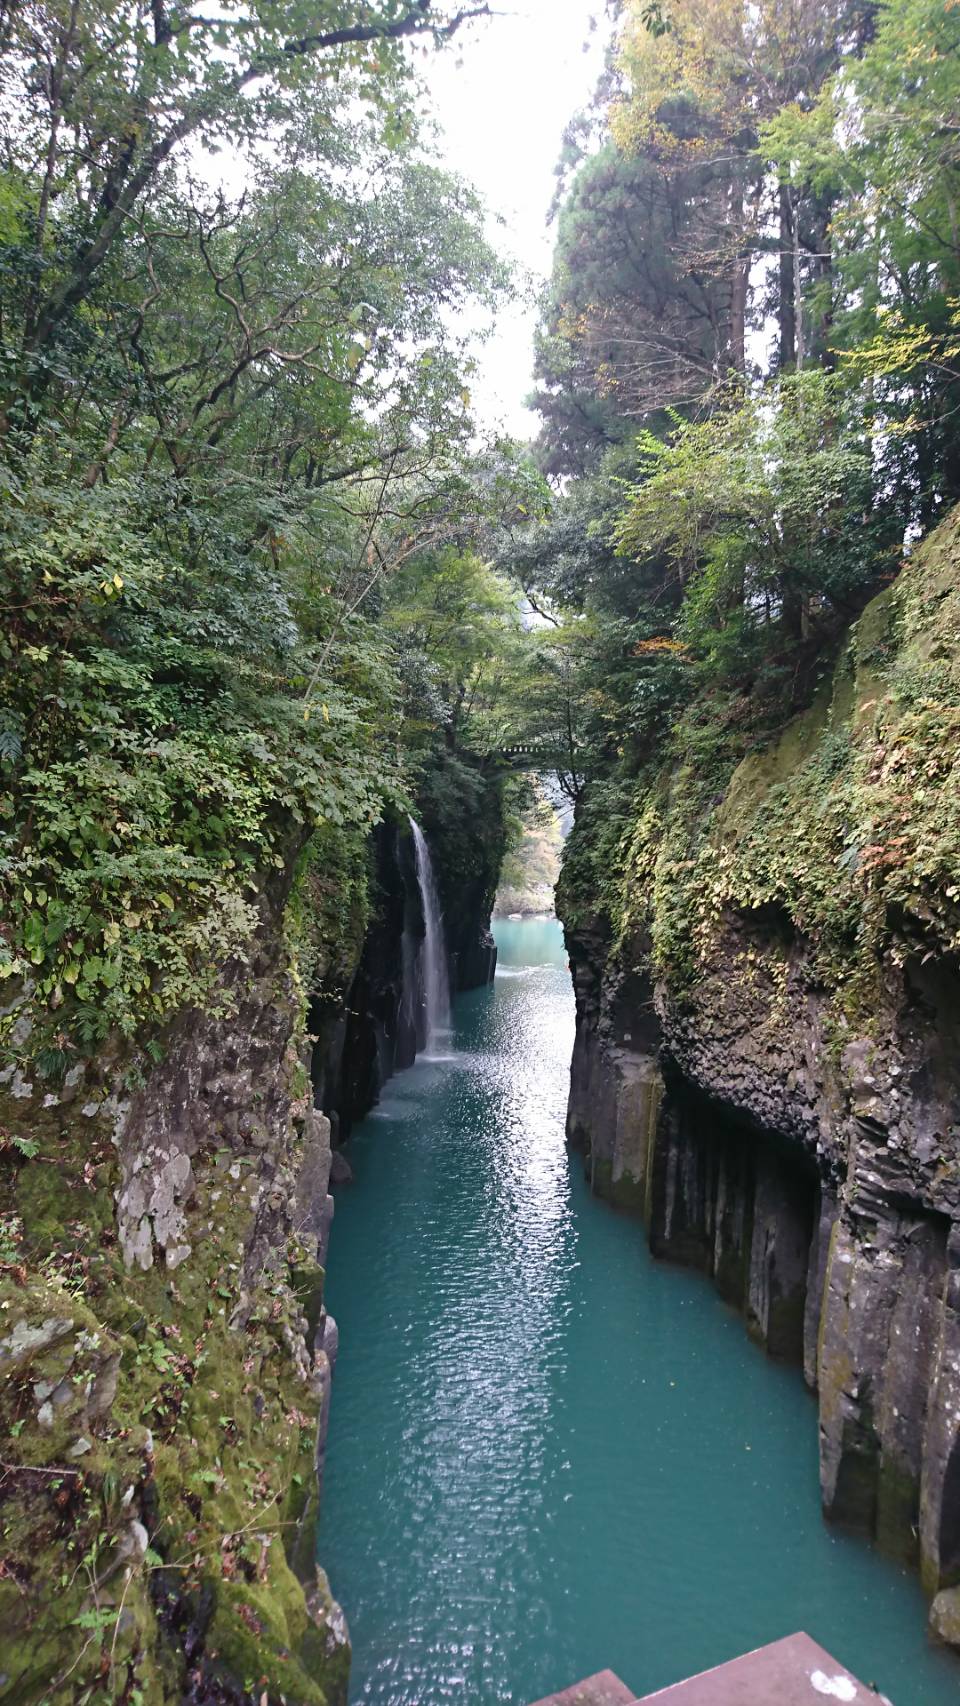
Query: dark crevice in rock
x,y
950,1517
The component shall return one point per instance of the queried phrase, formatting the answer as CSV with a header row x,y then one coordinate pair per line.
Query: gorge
x,y
548,1452
459,462
778,1126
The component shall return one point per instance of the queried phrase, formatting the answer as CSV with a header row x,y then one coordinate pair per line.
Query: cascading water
x,y
433,959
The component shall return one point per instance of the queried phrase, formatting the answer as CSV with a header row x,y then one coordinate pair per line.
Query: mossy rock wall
x,y
161,1393
779,932
165,1354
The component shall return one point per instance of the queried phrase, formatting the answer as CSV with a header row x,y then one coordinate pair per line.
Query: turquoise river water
x,y
549,1453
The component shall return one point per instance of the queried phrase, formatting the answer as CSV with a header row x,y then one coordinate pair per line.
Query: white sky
x,y
502,94
521,77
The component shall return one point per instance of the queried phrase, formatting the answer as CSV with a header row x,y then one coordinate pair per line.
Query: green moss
x,y
898,1504
329,908
207,1439
847,823
624,1192
255,1633
326,1652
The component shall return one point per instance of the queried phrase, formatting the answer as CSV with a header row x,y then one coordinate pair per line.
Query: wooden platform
x,y
604,1689
791,1672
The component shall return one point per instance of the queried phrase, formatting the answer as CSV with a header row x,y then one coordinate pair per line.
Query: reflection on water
x,y
549,1454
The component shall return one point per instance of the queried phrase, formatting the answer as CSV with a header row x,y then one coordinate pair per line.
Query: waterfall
x,y
433,958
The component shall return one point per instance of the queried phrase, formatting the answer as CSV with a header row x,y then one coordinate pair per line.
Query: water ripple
x,y
548,1454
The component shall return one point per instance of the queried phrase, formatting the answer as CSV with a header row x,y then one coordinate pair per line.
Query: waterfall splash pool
x,y
549,1453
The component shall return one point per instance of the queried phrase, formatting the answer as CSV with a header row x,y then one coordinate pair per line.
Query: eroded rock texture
x,y
767,1062
165,1366
166,1357
820,1194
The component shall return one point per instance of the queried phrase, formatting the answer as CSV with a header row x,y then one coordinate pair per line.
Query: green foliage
x,y
228,425
846,824
455,623
106,101
165,764
881,143
759,173
759,509
329,908
531,868
629,242
464,812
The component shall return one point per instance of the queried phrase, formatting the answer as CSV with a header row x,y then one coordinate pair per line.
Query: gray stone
x,y
330,1342
341,1172
945,1616
26,1342
821,1189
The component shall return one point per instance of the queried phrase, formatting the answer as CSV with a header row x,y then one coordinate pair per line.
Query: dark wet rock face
x,y
341,1172
767,1063
379,1026
819,1188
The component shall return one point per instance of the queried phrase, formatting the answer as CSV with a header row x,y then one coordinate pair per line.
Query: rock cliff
x,y
165,1353
377,1026
767,1064
165,1363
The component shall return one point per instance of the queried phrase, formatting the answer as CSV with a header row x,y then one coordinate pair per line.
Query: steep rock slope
x,y
165,1364
767,1062
165,1355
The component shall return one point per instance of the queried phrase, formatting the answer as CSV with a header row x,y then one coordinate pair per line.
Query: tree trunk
x,y
740,283
786,305
821,327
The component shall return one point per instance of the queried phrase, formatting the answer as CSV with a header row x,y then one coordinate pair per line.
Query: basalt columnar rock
x,y
767,1064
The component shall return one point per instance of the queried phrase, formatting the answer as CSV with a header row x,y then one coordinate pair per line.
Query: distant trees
x,y
680,241
749,359
881,147
640,316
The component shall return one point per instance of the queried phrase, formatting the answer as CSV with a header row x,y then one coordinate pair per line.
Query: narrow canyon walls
x,y
165,1353
767,1063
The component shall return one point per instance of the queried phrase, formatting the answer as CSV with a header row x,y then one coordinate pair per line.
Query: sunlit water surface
x,y
548,1453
